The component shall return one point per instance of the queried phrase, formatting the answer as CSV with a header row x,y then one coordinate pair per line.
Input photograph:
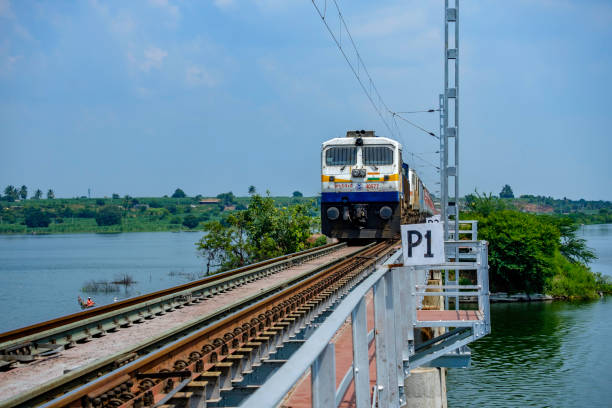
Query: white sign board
x,y
433,218
423,244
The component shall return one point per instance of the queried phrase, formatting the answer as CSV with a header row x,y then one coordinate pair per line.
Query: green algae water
x,y
553,354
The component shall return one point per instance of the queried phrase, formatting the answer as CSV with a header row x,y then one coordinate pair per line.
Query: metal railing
x,y
398,293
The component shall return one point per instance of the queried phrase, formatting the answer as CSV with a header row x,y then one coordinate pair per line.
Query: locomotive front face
x,y
360,187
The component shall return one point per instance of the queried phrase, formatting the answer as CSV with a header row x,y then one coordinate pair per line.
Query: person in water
x,y
89,302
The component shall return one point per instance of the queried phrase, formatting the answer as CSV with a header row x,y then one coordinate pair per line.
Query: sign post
x,y
423,244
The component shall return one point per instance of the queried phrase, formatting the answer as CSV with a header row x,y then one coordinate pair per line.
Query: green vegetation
x,y
38,215
506,192
534,253
261,231
108,215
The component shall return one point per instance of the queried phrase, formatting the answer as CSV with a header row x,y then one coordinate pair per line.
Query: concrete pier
x,y
426,388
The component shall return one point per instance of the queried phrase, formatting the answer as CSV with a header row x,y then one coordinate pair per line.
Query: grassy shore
x,y
141,214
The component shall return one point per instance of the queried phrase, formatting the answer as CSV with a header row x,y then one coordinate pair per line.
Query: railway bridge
x,y
332,326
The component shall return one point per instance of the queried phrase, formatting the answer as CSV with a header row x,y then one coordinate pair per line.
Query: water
x,y
554,354
538,355
41,276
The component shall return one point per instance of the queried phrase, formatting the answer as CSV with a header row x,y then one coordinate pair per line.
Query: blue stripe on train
x,y
360,197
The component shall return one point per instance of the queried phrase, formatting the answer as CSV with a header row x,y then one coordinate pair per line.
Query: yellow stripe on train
x,y
326,179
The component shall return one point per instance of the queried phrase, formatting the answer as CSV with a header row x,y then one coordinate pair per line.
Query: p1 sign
x,y
423,244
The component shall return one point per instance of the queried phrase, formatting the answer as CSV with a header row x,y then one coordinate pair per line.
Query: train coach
x,y
367,191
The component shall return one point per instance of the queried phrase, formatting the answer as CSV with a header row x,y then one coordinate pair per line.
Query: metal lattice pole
x,y
450,165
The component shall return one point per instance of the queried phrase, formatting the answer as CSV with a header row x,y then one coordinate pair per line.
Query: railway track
x,y
43,339
231,346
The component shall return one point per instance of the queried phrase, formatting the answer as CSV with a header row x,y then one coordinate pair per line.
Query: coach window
x,y
341,156
377,155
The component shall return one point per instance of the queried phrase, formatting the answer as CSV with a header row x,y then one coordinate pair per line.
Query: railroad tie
x,y
257,348
238,363
225,368
213,388
198,390
248,354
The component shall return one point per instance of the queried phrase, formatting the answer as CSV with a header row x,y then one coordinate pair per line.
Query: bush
x,y
86,213
109,215
175,220
172,209
100,202
571,280
191,221
36,218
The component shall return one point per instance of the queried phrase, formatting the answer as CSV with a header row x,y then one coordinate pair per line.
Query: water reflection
x,y
544,354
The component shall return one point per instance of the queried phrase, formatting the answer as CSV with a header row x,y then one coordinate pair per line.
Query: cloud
x,y
197,76
224,3
170,9
153,58
5,9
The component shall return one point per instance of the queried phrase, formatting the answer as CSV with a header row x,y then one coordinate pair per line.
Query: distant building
x,y
209,201
229,208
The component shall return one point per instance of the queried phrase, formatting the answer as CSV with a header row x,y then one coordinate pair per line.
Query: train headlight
x,y
385,212
333,213
358,172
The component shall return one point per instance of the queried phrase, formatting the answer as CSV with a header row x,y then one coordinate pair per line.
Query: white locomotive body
x,y
366,189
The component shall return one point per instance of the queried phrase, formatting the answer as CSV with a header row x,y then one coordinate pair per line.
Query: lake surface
x,y
553,354
538,355
41,276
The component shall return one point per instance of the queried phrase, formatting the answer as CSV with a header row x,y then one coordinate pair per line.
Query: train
x,y
367,190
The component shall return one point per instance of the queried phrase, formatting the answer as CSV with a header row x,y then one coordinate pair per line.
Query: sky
x,y
143,97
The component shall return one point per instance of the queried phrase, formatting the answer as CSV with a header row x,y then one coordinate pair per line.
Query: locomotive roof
x,y
366,141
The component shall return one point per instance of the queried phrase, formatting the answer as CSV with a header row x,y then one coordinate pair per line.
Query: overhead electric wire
x,y
356,71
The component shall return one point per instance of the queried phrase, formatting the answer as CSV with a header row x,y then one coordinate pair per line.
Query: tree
x,y
50,194
36,218
572,247
38,194
178,193
11,193
506,192
297,194
521,250
191,221
260,232
115,196
23,192
227,198
252,190
109,215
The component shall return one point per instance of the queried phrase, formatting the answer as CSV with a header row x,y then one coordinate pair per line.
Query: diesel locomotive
x,y
367,191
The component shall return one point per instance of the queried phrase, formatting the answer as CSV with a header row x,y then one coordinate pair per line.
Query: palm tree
x,y
23,192
11,193
37,194
50,194
252,190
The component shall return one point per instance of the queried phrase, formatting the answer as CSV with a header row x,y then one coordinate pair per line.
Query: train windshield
x,y
377,155
341,156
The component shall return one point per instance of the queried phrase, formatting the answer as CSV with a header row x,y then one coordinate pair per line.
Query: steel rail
x,y
90,372
211,358
26,343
